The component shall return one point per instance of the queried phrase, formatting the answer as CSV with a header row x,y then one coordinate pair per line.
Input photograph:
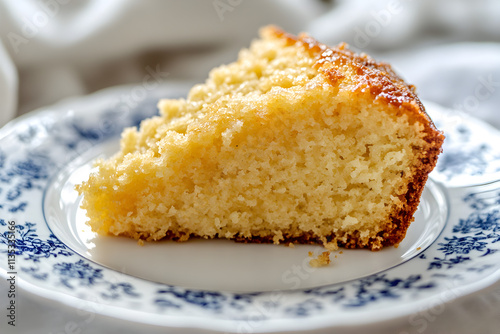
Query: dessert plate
x,y
451,249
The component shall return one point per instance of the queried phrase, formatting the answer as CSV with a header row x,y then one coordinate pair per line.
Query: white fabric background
x,y
53,49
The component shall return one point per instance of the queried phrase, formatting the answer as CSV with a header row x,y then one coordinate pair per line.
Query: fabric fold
x,y
8,87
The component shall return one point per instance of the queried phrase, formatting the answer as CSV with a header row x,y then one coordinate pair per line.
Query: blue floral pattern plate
x,y
451,249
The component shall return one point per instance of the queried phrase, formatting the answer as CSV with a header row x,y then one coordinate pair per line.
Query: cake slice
x,y
294,142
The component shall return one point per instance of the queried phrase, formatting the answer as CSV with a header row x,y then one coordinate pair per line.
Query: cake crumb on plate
x,y
321,260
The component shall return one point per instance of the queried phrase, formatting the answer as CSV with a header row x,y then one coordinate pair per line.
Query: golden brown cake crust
x,y
378,77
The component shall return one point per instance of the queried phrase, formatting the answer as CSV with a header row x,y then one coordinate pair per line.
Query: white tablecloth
x,y
53,49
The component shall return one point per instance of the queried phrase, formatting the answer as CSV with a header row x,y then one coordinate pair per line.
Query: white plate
x,y
450,250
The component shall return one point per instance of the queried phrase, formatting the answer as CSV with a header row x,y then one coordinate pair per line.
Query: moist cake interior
x,y
294,142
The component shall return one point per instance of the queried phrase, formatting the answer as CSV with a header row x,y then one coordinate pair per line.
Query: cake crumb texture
x,y
322,260
295,142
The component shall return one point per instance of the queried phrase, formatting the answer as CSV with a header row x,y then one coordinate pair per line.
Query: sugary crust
x,y
377,77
